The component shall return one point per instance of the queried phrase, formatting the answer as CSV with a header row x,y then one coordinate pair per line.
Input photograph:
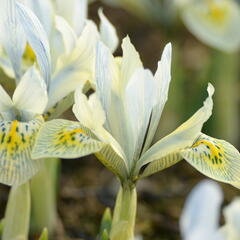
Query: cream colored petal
x,y
31,93
183,136
5,101
108,32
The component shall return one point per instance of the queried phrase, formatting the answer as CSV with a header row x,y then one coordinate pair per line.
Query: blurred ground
x,y
86,188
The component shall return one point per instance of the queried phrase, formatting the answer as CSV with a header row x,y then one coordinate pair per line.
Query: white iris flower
x,y
119,122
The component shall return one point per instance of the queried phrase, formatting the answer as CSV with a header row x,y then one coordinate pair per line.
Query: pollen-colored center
x,y
29,55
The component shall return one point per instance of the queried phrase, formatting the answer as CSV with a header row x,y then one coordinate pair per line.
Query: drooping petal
x,y
31,93
5,101
66,139
183,136
12,36
162,78
108,32
75,12
215,158
17,139
200,217
139,100
37,38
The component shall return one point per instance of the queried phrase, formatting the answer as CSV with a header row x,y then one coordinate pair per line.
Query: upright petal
x,y
139,99
162,78
183,136
74,11
17,139
200,216
37,38
108,32
5,100
130,62
12,35
31,93
43,9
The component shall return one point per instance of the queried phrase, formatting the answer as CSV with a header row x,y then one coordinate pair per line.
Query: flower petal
x,y
162,78
31,93
215,158
12,35
37,38
5,101
66,139
200,217
108,32
183,136
17,139
75,12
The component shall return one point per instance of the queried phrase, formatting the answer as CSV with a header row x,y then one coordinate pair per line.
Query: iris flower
x,y
118,123
215,22
201,214
29,55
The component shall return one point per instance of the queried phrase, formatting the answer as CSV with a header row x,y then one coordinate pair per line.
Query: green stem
x,y
124,213
43,196
16,221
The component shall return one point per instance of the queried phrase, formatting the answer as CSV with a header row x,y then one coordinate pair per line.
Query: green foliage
x,y
106,224
44,235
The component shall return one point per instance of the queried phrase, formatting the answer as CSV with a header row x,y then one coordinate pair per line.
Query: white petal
x,y
74,11
37,38
183,136
200,217
5,101
68,35
108,32
43,9
130,62
139,99
31,94
162,78
12,35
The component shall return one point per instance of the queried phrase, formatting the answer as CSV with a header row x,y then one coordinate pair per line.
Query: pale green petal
x,y
130,62
31,93
161,164
183,136
215,158
5,101
108,32
162,78
17,139
66,139
216,23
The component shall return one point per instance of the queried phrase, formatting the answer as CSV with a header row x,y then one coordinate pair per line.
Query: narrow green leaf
x,y
17,216
106,223
105,235
44,235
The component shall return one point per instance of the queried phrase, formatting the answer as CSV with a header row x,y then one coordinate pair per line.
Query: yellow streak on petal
x,y
29,55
